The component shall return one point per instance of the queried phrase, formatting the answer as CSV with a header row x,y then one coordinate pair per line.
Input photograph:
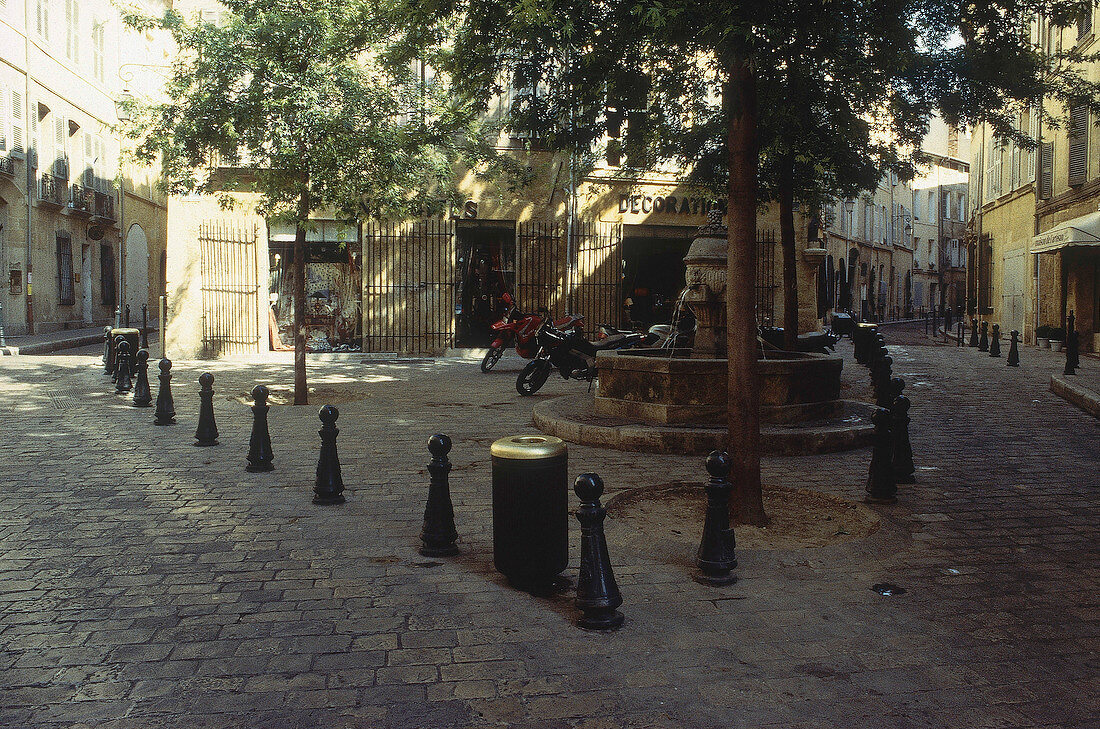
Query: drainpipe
x,y
31,186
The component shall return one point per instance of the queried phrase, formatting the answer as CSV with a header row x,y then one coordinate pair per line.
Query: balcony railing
x,y
52,190
7,166
105,205
81,199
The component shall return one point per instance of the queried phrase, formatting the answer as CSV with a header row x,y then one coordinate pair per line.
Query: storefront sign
x,y
645,204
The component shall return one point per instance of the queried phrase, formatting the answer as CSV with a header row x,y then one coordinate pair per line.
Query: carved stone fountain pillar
x,y
706,283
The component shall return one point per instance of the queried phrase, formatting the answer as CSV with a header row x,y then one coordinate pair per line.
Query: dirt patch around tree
x,y
323,394
669,518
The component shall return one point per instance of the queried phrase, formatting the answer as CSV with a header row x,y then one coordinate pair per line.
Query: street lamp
x,y
850,207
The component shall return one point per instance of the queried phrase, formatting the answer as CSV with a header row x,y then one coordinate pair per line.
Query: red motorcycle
x,y
520,329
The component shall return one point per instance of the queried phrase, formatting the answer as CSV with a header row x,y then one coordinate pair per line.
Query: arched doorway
x,y
136,273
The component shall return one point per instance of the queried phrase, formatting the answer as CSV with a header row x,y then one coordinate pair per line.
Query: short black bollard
x,y
145,326
118,316
143,396
597,593
715,557
1072,359
438,535
973,332
206,434
126,317
123,383
962,334
1014,348
882,487
983,338
926,324
881,382
114,364
904,470
995,341
259,443
329,487
166,409
108,352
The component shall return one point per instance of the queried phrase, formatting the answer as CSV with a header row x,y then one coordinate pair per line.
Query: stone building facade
x,y
81,233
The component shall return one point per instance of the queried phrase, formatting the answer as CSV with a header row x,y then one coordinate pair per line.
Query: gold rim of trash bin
x,y
528,447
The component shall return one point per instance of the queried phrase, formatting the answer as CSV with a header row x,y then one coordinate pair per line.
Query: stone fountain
x,y
674,400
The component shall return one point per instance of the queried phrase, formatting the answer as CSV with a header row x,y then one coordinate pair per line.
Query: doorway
x,y
653,273
485,257
86,282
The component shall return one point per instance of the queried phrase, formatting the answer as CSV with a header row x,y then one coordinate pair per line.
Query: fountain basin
x,y
653,387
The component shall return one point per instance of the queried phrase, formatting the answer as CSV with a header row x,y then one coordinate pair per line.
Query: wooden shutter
x,y
1078,145
17,130
1046,170
61,165
89,160
1084,23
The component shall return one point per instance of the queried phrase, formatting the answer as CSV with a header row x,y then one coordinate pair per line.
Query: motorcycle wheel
x,y
492,357
533,377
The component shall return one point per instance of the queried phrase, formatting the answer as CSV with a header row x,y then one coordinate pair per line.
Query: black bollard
x,y
438,534
143,396
973,332
114,364
962,333
1014,348
881,382
166,409
145,326
926,325
1072,360
904,471
206,434
126,317
995,341
118,317
108,352
123,383
983,339
715,557
597,593
259,444
329,487
882,487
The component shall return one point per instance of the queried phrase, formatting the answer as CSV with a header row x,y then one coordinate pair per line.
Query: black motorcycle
x,y
572,354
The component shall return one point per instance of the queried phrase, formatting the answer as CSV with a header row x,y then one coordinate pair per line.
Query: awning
x,y
1082,231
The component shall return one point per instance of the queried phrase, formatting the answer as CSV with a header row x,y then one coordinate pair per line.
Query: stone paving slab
x,y
145,582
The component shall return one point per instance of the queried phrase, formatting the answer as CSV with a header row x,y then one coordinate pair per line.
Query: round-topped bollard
x,y
260,457
329,487
206,432
438,534
715,557
597,593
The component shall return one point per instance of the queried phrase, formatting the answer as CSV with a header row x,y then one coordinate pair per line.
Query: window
x,y
98,43
72,30
17,132
65,270
106,274
1078,145
1084,24
931,205
42,18
962,206
60,167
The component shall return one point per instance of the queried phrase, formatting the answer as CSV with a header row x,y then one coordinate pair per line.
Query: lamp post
x,y
850,207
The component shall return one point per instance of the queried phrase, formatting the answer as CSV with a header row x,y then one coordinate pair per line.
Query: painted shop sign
x,y
680,205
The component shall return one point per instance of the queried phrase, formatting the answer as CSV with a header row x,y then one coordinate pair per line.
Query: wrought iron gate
x,y
409,287
541,267
230,289
596,290
765,279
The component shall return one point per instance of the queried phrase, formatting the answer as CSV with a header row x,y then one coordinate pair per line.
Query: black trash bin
x,y
530,510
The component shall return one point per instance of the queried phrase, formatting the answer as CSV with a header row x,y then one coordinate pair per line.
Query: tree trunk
x,y
790,272
301,392
747,506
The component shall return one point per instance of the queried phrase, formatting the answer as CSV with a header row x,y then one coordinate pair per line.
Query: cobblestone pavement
x,y
148,583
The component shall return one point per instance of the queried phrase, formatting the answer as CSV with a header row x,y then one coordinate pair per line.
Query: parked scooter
x,y
572,354
520,330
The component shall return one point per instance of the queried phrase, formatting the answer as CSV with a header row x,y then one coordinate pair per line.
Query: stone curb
x,y
54,345
1080,397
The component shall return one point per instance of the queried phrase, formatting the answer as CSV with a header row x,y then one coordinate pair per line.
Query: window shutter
x,y
1046,171
1078,145
1033,132
4,115
1084,23
89,160
17,142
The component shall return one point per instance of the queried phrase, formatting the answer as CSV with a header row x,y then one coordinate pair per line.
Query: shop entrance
x,y
485,254
653,272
